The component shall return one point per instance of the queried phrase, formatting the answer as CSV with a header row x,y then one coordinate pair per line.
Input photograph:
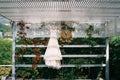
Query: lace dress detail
x,y
53,55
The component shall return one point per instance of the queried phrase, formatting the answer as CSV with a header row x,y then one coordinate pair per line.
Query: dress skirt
x,y
53,55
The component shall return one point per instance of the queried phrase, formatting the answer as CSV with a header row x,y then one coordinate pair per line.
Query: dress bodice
x,y
53,33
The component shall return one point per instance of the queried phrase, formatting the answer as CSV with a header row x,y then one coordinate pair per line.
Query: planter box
x,y
19,79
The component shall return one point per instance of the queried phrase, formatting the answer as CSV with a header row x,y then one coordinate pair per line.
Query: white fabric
x,y
3,78
53,55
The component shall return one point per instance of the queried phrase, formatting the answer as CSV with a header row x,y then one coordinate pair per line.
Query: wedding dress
x,y
53,55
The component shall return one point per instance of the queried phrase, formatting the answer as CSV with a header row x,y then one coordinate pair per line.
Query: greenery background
x,y
66,73
4,28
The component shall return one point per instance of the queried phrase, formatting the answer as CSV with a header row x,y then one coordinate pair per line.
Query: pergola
x,y
104,14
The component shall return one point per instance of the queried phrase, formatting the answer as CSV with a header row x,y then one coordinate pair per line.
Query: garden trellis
x,y
103,14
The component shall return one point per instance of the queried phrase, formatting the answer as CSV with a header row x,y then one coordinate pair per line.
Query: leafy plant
x,y
5,51
5,28
26,73
5,71
90,31
115,57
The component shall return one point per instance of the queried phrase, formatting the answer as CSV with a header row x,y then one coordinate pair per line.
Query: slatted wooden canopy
x,y
81,11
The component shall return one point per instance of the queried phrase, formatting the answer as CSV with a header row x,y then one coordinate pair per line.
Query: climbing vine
x,y
28,41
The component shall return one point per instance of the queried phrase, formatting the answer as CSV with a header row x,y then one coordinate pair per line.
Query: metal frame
x,y
5,65
65,46
106,65
107,60
72,56
13,50
68,65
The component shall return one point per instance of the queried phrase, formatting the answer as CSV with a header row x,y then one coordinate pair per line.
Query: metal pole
x,y
13,50
107,60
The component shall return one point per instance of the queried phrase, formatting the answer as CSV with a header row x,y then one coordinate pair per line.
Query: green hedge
x,y
5,51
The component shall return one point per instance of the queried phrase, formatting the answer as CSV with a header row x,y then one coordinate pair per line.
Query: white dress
x,y
53,55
